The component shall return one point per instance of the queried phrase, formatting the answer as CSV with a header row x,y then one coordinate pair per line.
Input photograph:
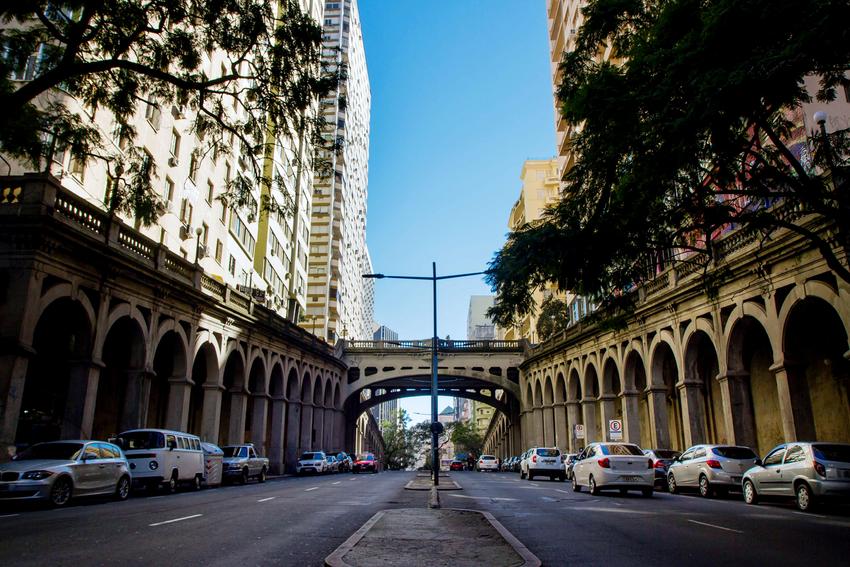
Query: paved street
x,y
291,521
562,527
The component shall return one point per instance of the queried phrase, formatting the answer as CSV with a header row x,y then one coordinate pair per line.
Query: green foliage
x,y
466,437
695,126
399,451
123,55
554,317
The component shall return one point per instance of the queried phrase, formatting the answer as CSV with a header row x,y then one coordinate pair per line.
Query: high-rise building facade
x,y
479,327
384,333
338,297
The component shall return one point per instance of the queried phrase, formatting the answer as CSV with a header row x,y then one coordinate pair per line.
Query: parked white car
x,y
159,457
311,462
543,461
610,466
488,463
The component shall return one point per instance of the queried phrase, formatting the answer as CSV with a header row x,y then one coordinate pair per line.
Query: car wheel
x,y
197,482
530,476
672,488
171,487
647,492
750,495
592,488
805,499
243,478
521,475
122,489
705,489
60,492
576,485
262,477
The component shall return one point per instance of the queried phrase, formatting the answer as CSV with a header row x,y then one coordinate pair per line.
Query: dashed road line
x,y
314,488
483,498
717,527
9,515
337,482
266,499
175,520
564,491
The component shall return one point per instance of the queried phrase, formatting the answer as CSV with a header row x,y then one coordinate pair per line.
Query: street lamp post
x,y
436,426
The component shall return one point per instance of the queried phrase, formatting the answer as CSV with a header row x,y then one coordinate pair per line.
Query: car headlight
x,y
36,475
153,465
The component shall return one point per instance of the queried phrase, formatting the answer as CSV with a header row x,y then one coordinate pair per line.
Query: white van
x,y
161,457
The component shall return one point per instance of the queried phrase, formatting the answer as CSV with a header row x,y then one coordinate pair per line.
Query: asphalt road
x,y
289,521
563,528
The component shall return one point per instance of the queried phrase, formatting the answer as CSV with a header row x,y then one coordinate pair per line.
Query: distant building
x,y
385,412
479,327
384,333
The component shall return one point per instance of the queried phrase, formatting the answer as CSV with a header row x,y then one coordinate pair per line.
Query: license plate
x,y
631,478
548,461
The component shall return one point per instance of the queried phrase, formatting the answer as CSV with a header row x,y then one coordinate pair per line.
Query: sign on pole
x,y
615,429
579,429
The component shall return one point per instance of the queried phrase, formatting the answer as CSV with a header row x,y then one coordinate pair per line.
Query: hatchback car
x,y
365,463
710,469
487,463
807,472
661,461
569,461
331,464
457,465
620,466
344,462
60,470
313,462
543,461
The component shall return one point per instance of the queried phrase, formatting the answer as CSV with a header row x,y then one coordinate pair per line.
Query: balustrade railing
x,y
442,345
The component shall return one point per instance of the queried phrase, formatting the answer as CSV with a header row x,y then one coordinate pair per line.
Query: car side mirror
x,y
759,462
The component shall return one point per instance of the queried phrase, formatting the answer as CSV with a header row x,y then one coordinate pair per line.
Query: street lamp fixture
x,y
198,232
436,426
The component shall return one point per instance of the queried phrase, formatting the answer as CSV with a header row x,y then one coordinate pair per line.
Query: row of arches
x,y
757,374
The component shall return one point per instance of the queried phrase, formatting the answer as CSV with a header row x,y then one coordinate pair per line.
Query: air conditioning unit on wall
x,y
185,232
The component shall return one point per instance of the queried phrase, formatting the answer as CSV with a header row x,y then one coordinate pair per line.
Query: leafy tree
x,y
554,317
421,440
466,437
398,442
119,54
694,126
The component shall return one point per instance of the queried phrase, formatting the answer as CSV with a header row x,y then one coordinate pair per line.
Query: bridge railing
x,y
442,346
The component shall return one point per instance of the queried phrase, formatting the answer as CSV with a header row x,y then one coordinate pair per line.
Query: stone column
x,y
318,440
738,408
795,404
80,403
259,419
607,412
293,435
177,412
562,437
574,418
591,422
693,412
306,441
238,406
631,416
135,401
328,428
13,374
211,413
539,427
278,429
549,425
524,420
658,423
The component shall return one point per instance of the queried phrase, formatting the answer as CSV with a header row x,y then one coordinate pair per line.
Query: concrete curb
x,y
412,486
335,559
434,498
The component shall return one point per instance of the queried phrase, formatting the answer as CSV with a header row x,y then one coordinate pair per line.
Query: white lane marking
x,y
718,527
314,488
806,514
611,510
176,520
352,478
155,497
9,515
534,484
548,499
266,499
515,479
564,491
483,497
337,482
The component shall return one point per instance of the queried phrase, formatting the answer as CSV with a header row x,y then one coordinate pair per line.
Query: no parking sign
x,y
615,429
579,430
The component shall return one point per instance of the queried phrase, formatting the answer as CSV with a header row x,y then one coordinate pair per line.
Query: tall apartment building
x,y
385,412
262,255
479,327
338,298
384,333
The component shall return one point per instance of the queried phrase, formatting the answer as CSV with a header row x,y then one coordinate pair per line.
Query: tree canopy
x,y
466,438
399,450
119,54
693,126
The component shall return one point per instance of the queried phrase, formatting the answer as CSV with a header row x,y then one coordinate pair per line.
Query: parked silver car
x,y
543,461
59,470
807,472
710,469
620,466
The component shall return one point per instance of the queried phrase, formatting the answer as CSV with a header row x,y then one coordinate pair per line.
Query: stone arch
x,y
257,406
293,418
636,400
205,396
232,421
337,404
574,389
611,383
700,393
170,363
560,388
119,313
667,414
63,291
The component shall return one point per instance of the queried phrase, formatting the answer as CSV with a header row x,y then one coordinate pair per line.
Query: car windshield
x,y
840,453
310,457
142,440
662,454
626,450
366,458
235,451
548,452
734,452
58,451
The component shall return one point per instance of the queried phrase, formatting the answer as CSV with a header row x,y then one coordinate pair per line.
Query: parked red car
x,y
456,466
365,463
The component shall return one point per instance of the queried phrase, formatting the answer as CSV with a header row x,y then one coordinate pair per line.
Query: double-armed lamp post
x,y
436,426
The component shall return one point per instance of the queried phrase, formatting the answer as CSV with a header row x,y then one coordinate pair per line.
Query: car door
x,y
680,471
694,466
87,470
795,464
108,469
581,469
768,477
253,463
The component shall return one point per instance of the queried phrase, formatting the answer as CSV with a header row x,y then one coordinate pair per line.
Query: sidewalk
x,y
435,538
424,482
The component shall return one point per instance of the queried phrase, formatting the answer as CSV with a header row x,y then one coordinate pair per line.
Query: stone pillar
x,y
80,403
562,437
259,419
306,441
293,435
693,412
278,430
179,393
591,422
13,375
795,404
211,413
607,412
238,406
657,400
524,420
574,418
318,439
328,428
738,408
135,401
549,426
539,427
631,416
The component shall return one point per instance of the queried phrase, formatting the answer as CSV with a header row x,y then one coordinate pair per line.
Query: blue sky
x,y
461,96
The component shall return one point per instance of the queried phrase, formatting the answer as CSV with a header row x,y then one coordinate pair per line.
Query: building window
x,y
240,230
153,115
219,247
205,232
168,192
231,265
223,217
186,212
175,144
193,166
210,192
78,167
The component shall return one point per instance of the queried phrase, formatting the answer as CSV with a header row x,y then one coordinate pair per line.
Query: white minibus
x,y
159,457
